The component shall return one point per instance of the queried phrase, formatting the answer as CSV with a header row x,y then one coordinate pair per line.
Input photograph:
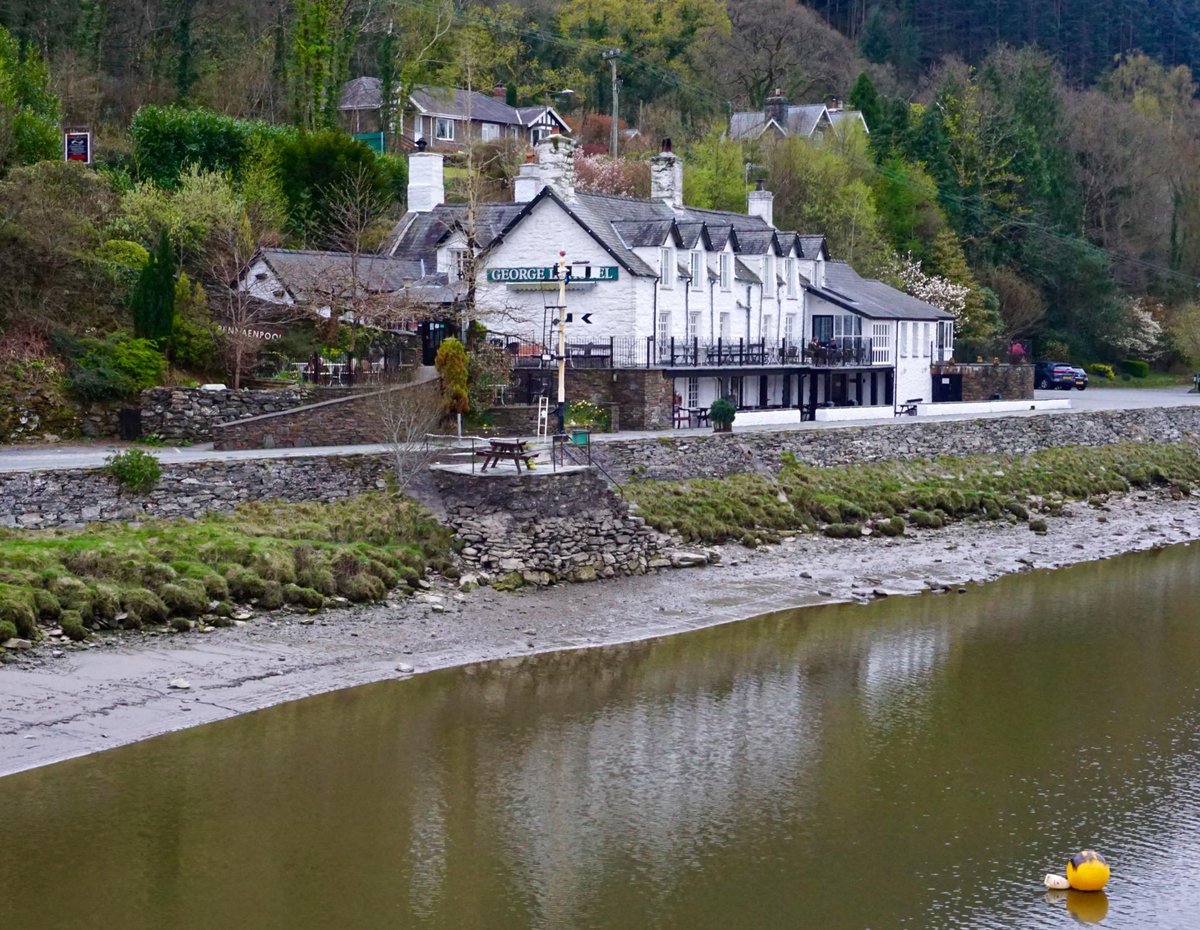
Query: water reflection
x,y
919,762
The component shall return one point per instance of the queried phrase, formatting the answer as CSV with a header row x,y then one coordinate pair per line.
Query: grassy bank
x,y
889,497
180,573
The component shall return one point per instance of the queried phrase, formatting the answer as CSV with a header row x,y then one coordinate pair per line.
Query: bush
x,y
16,606
304,597
113,368
48,607
184,599
272,596
1101,370
1135,368
722,412
144,606
181,624
8,630
586,414
843,531
134,469
452,365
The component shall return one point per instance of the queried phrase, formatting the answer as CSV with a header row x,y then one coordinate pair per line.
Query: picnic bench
x,y
512,450
909,407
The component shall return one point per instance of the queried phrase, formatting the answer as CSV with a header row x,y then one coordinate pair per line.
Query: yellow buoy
x,y
1087,871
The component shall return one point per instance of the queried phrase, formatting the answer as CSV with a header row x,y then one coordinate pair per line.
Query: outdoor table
x,y
513,450
698,415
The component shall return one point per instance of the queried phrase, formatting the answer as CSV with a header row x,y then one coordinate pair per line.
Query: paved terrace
x,y
62,457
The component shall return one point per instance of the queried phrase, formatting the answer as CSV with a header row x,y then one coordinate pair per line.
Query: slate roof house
x,y
447,118
782,119
718,302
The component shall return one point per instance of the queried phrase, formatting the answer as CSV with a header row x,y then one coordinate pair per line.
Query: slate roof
x,y
302,272
743,273
800,120
366,93
813,246
416,236
872,299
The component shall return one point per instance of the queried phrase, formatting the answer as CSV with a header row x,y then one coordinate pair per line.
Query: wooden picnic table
x,y
513,450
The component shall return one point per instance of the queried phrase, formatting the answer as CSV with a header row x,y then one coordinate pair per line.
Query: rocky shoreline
x,y
59,703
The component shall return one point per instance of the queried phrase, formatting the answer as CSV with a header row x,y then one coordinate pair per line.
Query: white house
x,y
781,119
722,303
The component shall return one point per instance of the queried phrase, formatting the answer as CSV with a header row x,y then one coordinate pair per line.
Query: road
x,y
61,457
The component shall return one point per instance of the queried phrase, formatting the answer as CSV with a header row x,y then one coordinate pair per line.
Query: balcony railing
x,y
635,352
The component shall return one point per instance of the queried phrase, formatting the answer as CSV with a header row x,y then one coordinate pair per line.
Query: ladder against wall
x,y
543,421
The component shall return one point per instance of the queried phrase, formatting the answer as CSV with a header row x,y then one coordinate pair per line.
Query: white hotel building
x,y
722,303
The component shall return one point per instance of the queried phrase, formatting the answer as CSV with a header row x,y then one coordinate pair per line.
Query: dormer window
x,y
458,262
726,271
667,267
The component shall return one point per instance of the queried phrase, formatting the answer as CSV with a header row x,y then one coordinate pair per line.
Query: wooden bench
x,y
513,450
909,407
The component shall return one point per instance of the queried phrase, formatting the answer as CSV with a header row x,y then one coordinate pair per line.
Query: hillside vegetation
x,y
1034,174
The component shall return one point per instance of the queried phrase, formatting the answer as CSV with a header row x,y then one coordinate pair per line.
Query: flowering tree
x,y
602,175
931,288
1142,338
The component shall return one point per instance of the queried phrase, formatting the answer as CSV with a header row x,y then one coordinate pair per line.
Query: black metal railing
x,y
647,352
347,369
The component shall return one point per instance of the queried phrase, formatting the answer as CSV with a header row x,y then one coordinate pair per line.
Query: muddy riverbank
x,y
56,704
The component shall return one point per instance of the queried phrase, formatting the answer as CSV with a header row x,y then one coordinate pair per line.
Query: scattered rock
x,y
179,684
16,644
405,668
687,558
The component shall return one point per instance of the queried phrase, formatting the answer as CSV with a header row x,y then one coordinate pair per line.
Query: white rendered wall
x,y
266,288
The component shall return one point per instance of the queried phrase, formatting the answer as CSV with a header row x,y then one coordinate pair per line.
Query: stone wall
x,y
983,382
71,498
521,419
718,455
348,420
546,526
189,414
642,394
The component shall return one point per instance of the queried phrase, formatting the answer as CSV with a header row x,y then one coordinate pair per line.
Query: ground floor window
x,y
443,129
693,392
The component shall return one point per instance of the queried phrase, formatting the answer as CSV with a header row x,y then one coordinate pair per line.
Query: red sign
x,y
77,146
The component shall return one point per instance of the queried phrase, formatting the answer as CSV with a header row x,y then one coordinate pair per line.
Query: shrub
x,y
244,585
843,530
926,520
134,469
16,606
304,597
71,623
8,630
272,596
722,412
452,365
1101,370
113,368
144,606
586,414
106,604
181,624
1135,368
892,527
48,607
361,588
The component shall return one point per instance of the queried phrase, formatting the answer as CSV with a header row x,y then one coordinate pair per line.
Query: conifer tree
x,y
153,299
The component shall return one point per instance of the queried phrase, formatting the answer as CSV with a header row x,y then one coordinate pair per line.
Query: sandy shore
x,y
56,703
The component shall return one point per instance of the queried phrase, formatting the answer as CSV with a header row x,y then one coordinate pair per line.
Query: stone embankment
x,y
47,499
719,455
548,527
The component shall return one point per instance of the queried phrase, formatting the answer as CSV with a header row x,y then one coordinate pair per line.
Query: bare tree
x,y
406,416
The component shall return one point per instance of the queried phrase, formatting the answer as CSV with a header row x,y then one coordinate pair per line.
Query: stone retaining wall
x,y
983,382
346,420
70,498
546,526
718,455
189,414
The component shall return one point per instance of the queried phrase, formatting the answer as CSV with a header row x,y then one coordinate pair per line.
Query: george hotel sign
x,y
578,274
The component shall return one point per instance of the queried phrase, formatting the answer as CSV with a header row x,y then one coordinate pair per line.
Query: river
x,y
916,762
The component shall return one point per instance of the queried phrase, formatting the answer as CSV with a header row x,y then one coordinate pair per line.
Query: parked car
x,y
1047,375
1081,379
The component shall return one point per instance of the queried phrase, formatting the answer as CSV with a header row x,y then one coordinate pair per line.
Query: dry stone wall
x,y
547,527
46,499
189,414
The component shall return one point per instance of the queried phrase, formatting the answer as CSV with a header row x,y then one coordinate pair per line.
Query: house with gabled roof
x,y
782,119
446,118
720,303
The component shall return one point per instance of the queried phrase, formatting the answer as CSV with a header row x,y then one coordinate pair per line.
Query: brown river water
x,y
913,763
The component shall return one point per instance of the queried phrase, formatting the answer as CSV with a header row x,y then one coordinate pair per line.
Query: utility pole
x,y
562,342
611,55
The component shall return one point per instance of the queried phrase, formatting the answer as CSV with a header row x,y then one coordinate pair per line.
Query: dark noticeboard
x,y
77,146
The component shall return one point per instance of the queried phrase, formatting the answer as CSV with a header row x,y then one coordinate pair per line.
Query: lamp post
x,y
562,341
611,55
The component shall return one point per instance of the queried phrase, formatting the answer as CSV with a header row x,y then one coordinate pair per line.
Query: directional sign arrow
x,y
587,318
570,319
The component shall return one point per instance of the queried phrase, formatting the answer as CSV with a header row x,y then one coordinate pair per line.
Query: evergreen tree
x,y
865,98
153,299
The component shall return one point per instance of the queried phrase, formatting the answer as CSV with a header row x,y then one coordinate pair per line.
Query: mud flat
x,y
60,703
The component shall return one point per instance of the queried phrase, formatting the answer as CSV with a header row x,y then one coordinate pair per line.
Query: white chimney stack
x,y
426,186
528,183
666,176
762,203
556,164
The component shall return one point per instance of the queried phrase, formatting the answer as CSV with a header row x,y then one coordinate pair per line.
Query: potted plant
x,y
722,413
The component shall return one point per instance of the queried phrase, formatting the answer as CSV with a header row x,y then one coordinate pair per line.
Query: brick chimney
x,y
762,203
666,176
776,108
499,91
833,104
